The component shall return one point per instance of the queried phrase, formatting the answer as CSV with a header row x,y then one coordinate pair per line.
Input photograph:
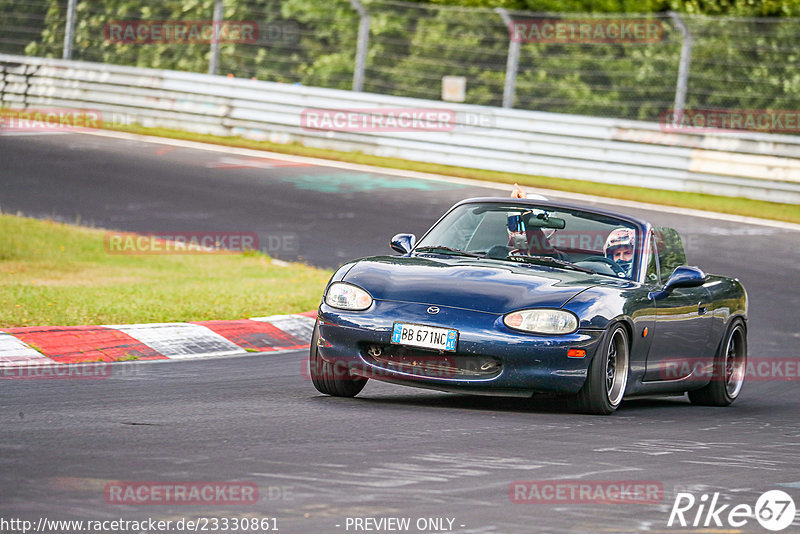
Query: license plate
x,y
429,337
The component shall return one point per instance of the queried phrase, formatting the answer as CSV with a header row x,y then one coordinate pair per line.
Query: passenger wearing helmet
x,y
619,248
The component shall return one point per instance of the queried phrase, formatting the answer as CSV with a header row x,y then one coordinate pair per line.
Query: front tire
x,y
608,374
730,366
327,377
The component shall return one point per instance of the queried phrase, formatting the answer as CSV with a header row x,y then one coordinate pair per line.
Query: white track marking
x,y
298,326
180,340
15,353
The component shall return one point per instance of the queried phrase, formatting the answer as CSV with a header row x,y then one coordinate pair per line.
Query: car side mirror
x,y
403,243
683,276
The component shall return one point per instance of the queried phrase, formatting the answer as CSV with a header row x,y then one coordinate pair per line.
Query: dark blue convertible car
x,y
517,296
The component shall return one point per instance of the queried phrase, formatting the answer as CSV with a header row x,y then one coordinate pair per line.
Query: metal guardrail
x,y
753,165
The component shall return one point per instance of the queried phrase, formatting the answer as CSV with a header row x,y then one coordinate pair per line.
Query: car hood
x,y
481,285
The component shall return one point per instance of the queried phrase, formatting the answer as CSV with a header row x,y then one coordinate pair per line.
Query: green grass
x,y
733,205
56,274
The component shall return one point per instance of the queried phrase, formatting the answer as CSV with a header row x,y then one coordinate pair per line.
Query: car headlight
x,y
347,297
542,321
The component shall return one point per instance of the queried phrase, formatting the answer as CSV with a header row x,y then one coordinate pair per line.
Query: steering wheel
x,y
611,263
498,252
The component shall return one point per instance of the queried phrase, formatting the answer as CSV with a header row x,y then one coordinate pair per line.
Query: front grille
x,y
430,364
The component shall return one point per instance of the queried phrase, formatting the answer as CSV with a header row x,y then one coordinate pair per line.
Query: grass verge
x,y
56,274
732,205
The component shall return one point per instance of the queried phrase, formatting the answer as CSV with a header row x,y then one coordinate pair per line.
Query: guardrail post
x,y
512,62
3,69
361,48
69,30
219,14
683,67
27,77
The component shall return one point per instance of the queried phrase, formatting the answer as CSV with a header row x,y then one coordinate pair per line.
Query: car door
x,y
683,322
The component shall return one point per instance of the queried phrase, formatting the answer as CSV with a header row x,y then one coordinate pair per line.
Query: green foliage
x,y
737,8
272,57
21,23
740,8
743,63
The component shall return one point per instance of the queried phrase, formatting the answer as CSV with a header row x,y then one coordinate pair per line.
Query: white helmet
x,y
620,237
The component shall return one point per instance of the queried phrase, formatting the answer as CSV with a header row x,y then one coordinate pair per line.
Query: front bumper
x,y
490,358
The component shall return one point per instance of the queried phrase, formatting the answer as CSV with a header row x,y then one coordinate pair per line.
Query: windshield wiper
x,y
441,249
547,260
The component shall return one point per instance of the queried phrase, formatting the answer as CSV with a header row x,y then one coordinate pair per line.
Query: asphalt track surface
x,y
392,451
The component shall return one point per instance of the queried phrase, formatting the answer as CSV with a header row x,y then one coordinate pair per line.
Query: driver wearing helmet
x,y
619,248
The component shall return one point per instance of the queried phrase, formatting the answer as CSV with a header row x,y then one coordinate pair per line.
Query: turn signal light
x,y
576,353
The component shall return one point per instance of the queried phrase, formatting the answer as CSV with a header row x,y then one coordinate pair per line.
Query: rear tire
x,y
730,367
327,377
608,374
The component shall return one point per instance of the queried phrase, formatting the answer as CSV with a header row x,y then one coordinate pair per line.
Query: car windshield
x,y
541,235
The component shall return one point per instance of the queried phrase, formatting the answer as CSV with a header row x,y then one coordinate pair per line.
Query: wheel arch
x,y
626,322
728,325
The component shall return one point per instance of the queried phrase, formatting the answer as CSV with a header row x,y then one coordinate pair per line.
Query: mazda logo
x,y
433,310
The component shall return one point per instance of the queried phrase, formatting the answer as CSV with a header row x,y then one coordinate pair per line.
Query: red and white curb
x,y
46,345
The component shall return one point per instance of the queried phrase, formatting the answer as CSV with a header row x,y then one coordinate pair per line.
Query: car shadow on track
x,y
547,404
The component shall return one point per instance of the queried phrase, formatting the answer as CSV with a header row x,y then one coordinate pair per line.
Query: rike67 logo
x,y
774,510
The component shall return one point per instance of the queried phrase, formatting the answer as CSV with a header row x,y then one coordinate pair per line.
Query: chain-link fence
x,y
622,65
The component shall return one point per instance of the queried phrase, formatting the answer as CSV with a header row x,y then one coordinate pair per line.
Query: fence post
x,y
69,30
683,67
512,62
219,14
361,48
